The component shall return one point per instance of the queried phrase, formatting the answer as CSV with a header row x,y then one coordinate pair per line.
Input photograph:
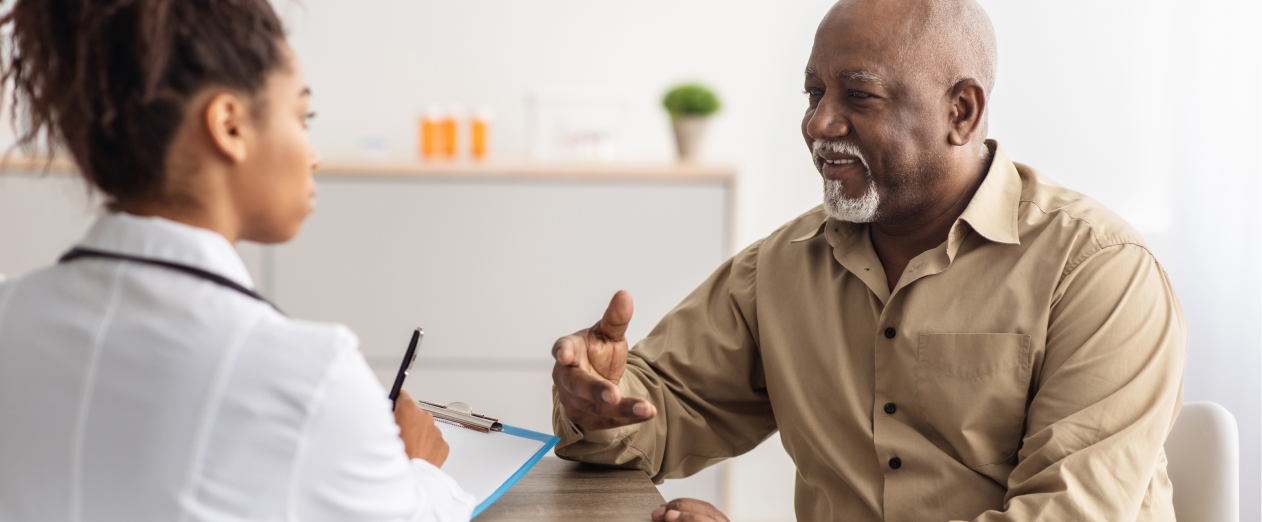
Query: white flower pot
x,y
689,130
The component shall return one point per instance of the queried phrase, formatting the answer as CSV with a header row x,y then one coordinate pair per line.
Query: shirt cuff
x,y
443,495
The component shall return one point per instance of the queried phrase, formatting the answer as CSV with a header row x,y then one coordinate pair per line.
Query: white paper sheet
x,y
482,462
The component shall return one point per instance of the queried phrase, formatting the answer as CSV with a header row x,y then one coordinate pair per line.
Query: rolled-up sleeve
x,y
700,366
1108,392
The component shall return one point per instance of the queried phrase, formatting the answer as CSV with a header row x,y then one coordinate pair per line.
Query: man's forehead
x,y
859,41
873,21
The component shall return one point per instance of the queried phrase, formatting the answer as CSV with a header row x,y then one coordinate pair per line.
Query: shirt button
x,y
889,333
896,463
890,408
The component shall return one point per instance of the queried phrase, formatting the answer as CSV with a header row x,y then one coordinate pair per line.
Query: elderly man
x,y
951,336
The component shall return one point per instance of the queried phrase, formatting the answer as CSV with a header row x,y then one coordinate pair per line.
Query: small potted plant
x,y
689,106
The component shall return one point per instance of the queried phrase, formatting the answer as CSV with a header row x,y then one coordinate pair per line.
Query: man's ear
x,y
227,119
968,108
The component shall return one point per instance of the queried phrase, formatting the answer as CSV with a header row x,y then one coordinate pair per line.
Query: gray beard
x,y
857,210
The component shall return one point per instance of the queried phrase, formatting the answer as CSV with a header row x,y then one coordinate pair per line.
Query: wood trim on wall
x,y
565,171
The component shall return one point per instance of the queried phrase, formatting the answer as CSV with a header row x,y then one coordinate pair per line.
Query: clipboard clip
x,y
462,415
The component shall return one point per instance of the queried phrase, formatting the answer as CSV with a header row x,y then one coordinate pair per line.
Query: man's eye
x,y
859,94
306,118
813,92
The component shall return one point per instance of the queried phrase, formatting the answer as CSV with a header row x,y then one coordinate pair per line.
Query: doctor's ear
x,y
227,118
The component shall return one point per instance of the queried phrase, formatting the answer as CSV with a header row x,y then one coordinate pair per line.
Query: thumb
x,y
613,326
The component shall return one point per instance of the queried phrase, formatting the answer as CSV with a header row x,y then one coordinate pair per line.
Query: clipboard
x,y
486,462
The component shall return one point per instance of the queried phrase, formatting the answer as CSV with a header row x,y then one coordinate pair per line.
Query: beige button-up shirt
x,y
1029,368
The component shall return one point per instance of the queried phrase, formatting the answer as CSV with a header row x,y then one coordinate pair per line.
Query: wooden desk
x,y
560,490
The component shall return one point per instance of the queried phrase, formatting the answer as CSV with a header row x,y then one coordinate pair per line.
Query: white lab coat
x,y
133,392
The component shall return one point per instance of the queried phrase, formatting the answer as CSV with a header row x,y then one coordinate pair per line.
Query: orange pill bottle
x,y
447,129
480,133
428,132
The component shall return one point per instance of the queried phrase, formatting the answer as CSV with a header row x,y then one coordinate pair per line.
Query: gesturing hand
x,y
589,366
687,510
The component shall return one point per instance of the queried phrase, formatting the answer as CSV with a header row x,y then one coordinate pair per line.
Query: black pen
x,y
408,359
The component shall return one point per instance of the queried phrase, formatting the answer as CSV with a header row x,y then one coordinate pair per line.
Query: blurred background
x,y
1152,107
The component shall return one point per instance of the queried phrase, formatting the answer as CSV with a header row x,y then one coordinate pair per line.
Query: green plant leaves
x,y
691,99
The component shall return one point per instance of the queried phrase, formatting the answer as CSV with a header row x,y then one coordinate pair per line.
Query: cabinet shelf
x,y
494,169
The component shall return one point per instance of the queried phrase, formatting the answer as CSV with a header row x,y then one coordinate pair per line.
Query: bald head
x,y
941,41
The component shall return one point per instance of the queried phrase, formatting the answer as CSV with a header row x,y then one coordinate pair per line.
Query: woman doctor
x,y
141,378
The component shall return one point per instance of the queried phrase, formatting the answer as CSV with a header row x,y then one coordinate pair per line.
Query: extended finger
x,y
613,325
585,384
628,411
578,404
569,350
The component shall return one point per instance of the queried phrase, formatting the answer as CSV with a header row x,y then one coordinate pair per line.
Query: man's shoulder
x,y
801,228
1046,206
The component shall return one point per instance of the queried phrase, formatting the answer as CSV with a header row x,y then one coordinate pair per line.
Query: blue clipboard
x,y
548,442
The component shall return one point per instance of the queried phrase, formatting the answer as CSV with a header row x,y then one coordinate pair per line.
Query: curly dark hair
x,y
109,80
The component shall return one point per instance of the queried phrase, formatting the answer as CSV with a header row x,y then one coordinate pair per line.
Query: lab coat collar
x,y
166,240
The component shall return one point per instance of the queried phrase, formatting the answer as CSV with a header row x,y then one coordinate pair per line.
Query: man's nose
x,y
828,121
315,160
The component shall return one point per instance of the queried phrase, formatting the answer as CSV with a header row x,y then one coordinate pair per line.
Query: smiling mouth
x,y
838,162
833,168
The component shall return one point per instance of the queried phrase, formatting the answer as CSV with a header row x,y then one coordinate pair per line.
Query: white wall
x,y
1152,107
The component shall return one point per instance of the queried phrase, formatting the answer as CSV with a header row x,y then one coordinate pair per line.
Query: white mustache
x,y
840,147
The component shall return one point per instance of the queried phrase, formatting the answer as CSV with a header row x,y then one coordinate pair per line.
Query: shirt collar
x,y
992,212
814,232
166,240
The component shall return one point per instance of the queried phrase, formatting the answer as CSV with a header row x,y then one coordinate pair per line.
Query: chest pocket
x,y
972,390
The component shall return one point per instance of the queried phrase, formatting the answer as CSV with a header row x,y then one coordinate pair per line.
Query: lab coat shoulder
x,y
273,382
293,357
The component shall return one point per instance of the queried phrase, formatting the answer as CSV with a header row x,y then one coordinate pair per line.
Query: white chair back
x,y
1203,451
